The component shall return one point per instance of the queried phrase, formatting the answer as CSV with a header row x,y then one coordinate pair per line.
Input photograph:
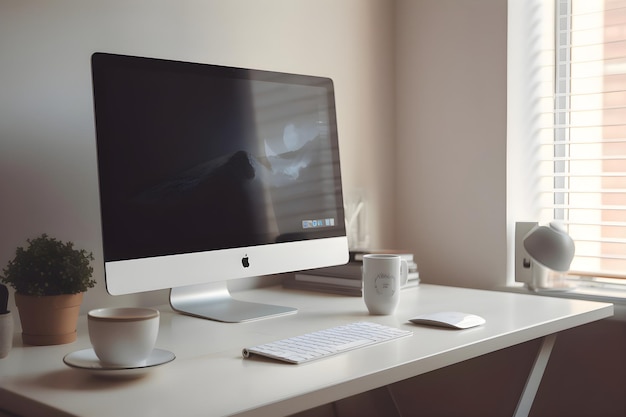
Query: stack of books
x,y
346,279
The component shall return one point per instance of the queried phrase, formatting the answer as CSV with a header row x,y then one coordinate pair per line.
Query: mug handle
x,y
404,272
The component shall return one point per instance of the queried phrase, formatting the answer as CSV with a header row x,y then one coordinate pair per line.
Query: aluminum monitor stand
x,y
213,301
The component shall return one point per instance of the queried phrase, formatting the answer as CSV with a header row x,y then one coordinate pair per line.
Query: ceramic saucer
x,y
86,360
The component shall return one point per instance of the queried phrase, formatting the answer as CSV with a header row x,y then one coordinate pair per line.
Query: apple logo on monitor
x,y
245,261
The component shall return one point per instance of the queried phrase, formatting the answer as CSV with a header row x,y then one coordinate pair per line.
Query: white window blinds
x,y
583,145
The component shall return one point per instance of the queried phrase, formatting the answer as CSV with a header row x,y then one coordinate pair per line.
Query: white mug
x,y
6,333
383,277
123,337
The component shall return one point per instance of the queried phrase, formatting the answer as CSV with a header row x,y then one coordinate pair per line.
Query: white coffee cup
x,y
383,277
123,336
6,333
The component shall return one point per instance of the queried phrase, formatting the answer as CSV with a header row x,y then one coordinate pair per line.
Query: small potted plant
x,y
49,278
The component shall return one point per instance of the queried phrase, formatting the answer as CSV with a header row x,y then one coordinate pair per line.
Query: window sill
x,y
617,296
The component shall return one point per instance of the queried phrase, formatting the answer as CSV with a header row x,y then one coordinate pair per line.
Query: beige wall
x,y
48,177
451,139
421,95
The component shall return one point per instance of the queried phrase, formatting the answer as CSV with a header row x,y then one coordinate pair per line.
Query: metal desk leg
x,y
534,378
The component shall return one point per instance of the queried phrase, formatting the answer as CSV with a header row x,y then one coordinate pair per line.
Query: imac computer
x,y
210,173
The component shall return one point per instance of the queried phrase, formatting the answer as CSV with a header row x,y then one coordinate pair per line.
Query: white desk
x,y
209,376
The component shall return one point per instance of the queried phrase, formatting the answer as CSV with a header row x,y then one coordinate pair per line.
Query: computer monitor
x,y
210,173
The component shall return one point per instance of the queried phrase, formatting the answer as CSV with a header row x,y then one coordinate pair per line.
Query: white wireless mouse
x,y
450,319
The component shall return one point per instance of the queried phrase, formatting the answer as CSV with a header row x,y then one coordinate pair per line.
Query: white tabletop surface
x,y
210,377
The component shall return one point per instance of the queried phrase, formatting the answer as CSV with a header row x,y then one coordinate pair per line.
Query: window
x,y
583,133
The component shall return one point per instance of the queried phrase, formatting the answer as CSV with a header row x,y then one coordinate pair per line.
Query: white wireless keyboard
x,y
327,342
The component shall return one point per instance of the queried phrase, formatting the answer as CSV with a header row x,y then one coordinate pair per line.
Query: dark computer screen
x,y
197,157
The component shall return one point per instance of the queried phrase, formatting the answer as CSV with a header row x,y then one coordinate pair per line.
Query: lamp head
x,y
550,246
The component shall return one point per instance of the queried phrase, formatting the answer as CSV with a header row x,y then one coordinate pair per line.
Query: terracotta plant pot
x,y
49,319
